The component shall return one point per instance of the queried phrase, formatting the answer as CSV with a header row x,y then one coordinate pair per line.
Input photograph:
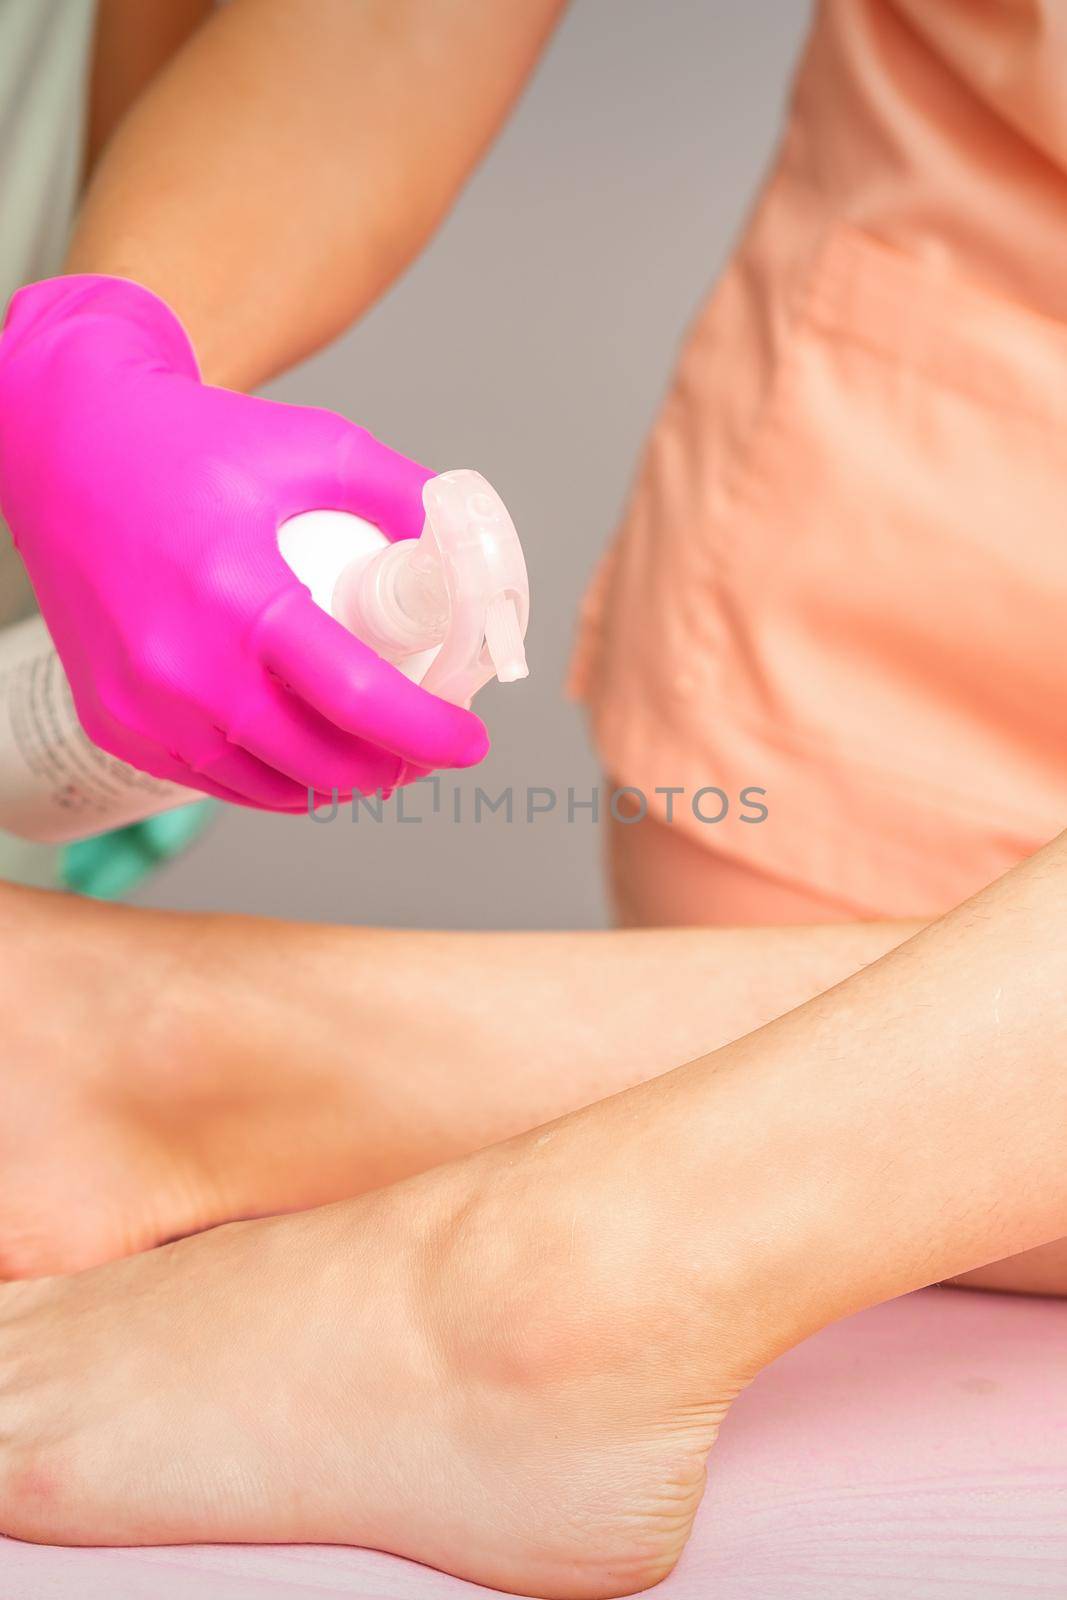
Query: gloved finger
x,y
190,778
291,737
411,774
352,687
382,485
251,780
366,476
217,791
148,758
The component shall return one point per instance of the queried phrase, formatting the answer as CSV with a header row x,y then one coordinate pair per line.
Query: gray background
x,y
572,264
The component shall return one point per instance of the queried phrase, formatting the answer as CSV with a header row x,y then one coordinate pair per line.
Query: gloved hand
x,y
145,506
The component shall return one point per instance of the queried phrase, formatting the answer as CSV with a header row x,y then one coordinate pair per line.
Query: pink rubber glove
x,y
145,506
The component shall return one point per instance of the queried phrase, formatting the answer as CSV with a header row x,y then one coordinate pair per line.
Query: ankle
x,y
589,1256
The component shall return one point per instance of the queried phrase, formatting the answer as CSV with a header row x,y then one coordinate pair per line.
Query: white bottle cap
x,y
449,608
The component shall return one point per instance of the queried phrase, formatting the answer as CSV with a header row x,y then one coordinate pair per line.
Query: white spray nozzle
x,y
503,639
450,608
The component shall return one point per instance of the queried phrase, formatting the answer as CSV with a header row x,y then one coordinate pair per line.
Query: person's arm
x,y
267,184
290,160
132,42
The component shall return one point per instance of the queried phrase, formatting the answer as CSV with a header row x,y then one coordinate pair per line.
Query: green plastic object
x,y
111,864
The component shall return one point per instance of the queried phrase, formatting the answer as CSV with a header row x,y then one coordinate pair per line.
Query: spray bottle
x,y
449,609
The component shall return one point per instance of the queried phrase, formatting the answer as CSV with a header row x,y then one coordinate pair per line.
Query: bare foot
x,y
87,1172
513,1367
1042,1271
506,1369
149,1090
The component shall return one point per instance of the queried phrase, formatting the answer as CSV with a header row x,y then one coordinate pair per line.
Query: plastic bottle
x,y
449,609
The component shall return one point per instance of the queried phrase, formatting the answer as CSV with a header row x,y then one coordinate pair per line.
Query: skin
x,y
599,1289
131,44
199,182
660,877
244,1066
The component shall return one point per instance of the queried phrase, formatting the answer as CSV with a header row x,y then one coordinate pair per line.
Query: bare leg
x,y
555,1327
661,877
169,1072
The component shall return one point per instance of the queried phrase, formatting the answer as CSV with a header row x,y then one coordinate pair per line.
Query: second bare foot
x,y
512,1368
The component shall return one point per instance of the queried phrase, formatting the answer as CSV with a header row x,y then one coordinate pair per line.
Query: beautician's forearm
x,y
293,157
132,43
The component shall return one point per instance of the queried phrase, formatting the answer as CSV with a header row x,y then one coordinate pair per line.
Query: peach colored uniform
x,y
843,573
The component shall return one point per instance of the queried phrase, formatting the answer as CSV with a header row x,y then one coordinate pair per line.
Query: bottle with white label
x,y
449,609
